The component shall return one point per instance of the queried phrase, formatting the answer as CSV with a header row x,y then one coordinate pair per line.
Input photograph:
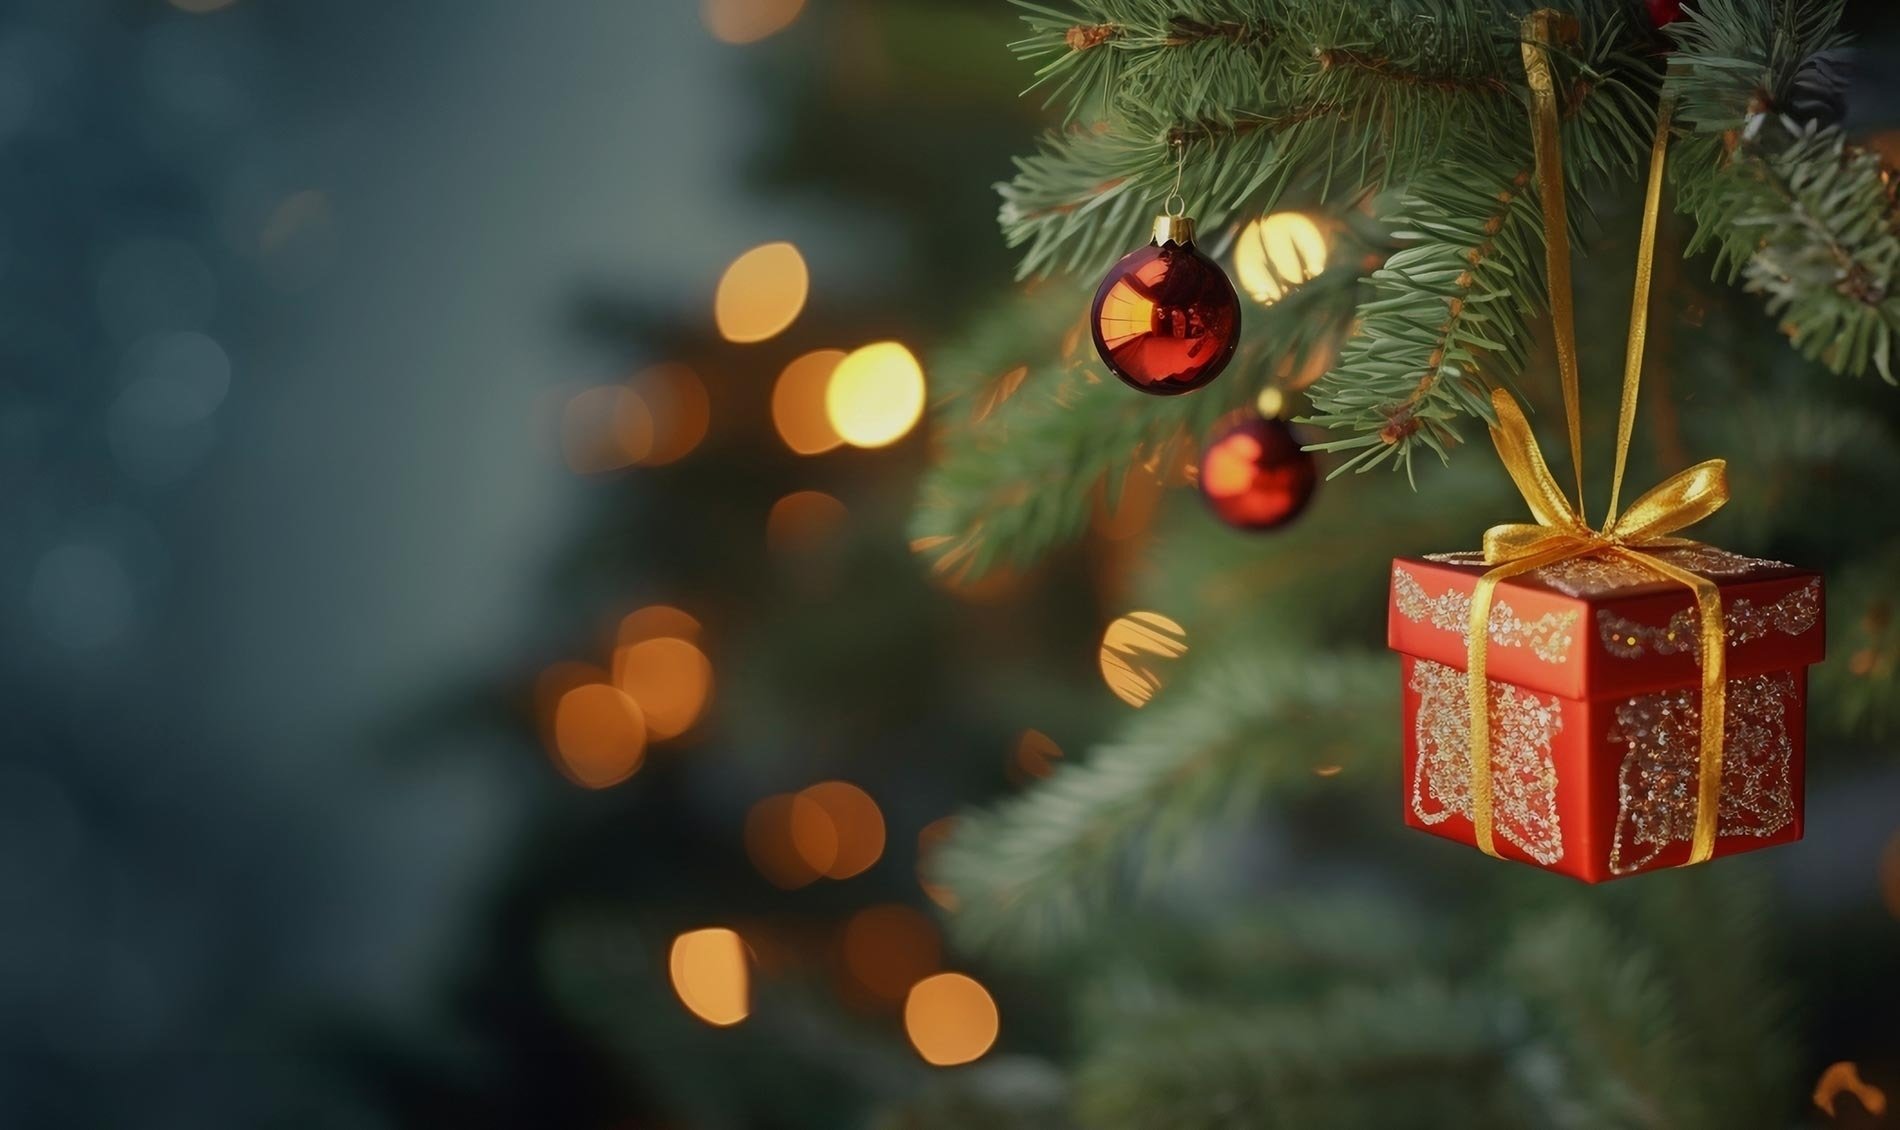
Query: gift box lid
x,y
1601,626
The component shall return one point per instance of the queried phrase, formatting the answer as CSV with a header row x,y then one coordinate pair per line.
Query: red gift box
x,y
1593,665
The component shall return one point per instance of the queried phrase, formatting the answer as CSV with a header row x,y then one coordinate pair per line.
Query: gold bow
x,y
1561,530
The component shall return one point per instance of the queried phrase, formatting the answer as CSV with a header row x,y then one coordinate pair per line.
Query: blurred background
x,y
463,663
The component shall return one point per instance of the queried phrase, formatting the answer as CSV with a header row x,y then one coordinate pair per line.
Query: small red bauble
x,y
1166,319
1663,12
1254,474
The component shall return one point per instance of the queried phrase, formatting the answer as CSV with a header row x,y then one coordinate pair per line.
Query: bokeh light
x,y
654,621
1845,1077
1036,755
803,521
680,407
1270,402
1134,650
1890,876
599,735
876,395
1276,253
709,974
856,828
798,402
670,678
606,428
773,828
1133,507
950,1019
761,293
889,948
748,21
929,838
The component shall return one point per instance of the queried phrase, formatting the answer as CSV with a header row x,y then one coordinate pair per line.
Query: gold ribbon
x,y
1561,530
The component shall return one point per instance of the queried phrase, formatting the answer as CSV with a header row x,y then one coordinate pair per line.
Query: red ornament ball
x,y
1254,474
1166,319
1662,13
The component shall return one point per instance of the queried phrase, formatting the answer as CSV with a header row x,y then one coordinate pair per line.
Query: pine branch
x,y
1862,683
1026,475
1413,1054
1653,1034
1439,308
1803,218
1033,871
1342,99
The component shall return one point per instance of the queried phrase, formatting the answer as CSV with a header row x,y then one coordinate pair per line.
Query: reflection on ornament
x,y
1276,253
1254,474
1166,319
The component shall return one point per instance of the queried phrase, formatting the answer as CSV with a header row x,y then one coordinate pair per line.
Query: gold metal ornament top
x,y
1178,230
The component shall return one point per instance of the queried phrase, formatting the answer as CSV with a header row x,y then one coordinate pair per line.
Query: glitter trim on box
x,y
1745,621
1524,774
1656,785
1596,576
1548,636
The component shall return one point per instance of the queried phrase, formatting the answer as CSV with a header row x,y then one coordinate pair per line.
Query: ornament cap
x,y
1178,230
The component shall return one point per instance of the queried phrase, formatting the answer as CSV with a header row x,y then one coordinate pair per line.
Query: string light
x,y
1845,1076
888,948
1276,253
748,21
761,293
776,851
798,402
709,973
929,838
1132,649
803,521
855,823
681,410
599,735
670,678
950,1019
876,395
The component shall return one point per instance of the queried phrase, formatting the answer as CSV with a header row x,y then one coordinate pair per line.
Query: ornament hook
x,y
1176,204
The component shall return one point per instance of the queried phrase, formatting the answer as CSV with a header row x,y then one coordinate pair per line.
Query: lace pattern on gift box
x,y
1523,772
1656,785
1597,576
1548,636
1745,621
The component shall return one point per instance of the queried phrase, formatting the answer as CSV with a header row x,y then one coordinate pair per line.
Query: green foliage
x,y
1803,218
1421,105
1437,993
1033,872
1035,434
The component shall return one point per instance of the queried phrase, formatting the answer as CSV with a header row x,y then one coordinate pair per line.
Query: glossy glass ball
x,y
1254,474
1166,319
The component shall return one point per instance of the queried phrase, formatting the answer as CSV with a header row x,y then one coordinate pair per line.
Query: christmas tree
x,y
1245,936
1208,913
